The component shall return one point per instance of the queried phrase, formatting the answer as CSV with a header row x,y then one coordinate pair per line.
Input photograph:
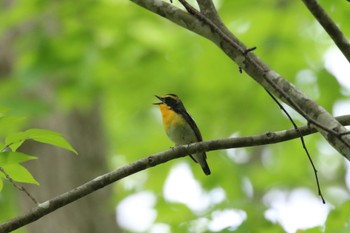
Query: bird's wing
x,y
193,125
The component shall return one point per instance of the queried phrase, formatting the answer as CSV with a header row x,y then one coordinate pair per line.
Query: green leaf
x,y
39,135
7,158
14,141
1,185
19,174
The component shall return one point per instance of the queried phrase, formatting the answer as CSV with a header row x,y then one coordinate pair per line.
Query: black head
x,y
171,100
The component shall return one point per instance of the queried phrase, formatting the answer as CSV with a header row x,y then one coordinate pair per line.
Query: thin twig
x,y
9,178
329,26
303,144
20,188
309,119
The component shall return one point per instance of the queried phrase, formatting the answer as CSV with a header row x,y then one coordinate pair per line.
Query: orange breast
x,y
176,127
170,118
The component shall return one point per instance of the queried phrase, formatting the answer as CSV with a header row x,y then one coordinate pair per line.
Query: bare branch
x,y
331,28
151,161
208,9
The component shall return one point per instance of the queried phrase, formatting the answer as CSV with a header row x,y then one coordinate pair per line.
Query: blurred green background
x,y
90,70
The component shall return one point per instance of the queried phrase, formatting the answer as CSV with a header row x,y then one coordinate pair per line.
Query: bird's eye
x,y
170,101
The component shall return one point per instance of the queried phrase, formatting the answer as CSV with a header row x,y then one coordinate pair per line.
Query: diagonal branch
x,y
153,160
197,22
208,9
331,28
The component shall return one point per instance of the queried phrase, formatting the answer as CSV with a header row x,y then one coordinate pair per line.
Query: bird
x,y
180,127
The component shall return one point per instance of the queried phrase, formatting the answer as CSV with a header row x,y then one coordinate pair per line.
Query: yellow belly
x,y
177,129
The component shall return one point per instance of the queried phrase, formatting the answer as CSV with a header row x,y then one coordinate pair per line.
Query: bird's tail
x,y
201,158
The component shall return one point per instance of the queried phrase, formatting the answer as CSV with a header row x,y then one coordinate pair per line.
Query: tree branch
x,y
331,28
208,9
153,160
197,22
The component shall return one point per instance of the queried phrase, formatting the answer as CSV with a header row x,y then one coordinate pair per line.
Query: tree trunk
x,y
58,171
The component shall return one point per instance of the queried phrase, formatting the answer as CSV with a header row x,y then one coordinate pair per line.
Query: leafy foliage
x,y
10,159
14,141
121,55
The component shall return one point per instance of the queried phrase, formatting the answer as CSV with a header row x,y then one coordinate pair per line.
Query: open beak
x,y
160,98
